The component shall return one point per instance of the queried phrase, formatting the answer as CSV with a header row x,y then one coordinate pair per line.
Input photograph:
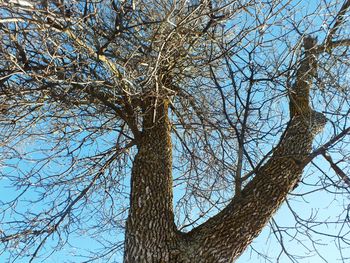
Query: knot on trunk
x,y
312,122
317,123
309,43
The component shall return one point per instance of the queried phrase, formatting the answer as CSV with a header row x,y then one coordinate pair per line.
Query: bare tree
x,y
110,107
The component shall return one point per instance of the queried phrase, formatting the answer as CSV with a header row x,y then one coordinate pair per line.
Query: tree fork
x,y
151,235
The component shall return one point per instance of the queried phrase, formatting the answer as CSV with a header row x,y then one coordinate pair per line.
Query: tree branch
x,y
245,216
333,44
130,120
324,147
336,168
339,20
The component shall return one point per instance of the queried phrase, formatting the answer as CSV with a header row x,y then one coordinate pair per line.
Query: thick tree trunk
x,y
151,235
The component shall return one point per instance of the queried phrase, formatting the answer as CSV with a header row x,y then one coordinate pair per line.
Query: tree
x,y
218,102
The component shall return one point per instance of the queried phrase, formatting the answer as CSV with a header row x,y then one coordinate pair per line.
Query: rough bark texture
x,y
151,235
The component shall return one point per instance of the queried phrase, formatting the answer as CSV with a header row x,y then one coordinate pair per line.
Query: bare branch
x,y
339,20
335,167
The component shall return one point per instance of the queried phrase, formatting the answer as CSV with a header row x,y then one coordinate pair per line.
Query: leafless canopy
x,y
77,78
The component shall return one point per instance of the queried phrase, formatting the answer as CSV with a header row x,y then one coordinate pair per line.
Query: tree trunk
x,y
150,232
151,235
